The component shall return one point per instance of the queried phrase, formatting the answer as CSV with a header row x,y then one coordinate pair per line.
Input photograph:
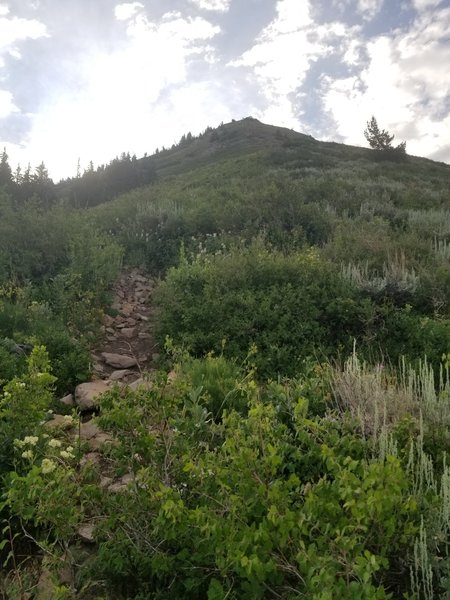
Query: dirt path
x,y
128,334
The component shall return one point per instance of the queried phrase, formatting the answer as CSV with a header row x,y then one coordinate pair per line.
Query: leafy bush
x,y
265,504
290,307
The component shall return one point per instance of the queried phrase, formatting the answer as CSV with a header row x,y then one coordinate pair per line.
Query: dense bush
x,y
290,307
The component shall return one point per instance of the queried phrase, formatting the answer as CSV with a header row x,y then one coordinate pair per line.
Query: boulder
x,y
119,361
87,394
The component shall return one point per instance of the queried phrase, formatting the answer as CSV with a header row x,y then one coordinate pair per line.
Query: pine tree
x,y
381,139
5,171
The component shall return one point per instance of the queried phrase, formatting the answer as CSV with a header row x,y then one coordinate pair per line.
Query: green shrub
x,y
290,307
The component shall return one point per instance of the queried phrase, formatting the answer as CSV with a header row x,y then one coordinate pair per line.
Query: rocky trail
x,y
127,353
125,357
128,348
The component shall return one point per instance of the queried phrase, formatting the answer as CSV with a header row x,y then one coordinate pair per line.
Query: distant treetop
x,y
381,139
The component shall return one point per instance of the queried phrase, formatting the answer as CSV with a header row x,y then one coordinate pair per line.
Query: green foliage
x,y
265,504
23,404
218,382
289,307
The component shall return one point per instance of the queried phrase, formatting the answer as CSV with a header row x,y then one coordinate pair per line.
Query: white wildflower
x,y
66,455
54,443
27,454
30,440
47,466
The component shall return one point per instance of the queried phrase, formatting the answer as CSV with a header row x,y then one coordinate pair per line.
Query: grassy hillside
x,y
293,441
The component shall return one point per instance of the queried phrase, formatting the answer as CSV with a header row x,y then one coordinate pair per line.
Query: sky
x,y
85,80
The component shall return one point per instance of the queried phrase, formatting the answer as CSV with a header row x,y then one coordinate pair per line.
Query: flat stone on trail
x,y
118,375
119,361
86,394
128,332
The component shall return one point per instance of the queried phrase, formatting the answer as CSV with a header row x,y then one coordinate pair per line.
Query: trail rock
x,y
128,332
86,394
61,421
99,440
94,458
127,309
68,400
106,481
141,384
88,430
98,368
118,375
121,484
144,336
119,361
86,533
108,320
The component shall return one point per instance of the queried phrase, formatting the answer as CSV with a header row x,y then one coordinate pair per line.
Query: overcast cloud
x,y
89,80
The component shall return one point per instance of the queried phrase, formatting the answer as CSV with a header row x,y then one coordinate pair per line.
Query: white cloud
x,y
369,8
283,52
15,29
283,55
7,105
125,11
119,107
405,84
424,4
4,10
213,5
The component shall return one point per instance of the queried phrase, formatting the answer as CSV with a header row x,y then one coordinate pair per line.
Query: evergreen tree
x,y
380,139
5,171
